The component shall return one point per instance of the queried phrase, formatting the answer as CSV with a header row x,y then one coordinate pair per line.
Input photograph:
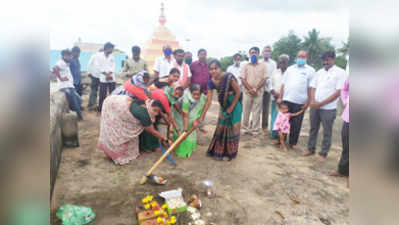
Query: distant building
x,y
87,50
161,36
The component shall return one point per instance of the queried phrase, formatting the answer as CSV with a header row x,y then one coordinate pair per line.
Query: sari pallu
x,y
193,109
120,130
226,138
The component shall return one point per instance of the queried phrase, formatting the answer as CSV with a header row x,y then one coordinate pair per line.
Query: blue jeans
x,y
74,101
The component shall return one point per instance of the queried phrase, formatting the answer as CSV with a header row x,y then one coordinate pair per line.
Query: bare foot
x,y
335,174
284,148
217,158
308,153
226,159
246,133
321,159
295,147
276,142
98,114
202,130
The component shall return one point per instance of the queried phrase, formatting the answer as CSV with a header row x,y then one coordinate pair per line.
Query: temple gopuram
x,y
160,37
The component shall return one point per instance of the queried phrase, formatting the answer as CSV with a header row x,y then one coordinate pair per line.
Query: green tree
x,y
341,61
342,54
289,45
316,45
344,50
226,62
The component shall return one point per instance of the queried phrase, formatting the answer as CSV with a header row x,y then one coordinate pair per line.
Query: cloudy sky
x,y
222,27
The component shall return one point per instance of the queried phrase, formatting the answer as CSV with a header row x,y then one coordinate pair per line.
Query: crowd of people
x,y
152,110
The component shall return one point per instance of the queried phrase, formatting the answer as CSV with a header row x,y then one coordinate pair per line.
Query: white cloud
x,y
222,28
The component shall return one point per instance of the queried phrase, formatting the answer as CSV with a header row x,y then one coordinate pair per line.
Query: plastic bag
x,y
75,215
174,200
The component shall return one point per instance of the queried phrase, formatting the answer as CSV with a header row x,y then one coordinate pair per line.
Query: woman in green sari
x,y
225,141
188,110
148,142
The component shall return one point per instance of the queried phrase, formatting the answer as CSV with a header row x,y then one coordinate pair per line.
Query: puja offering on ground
x,y
153,213
174,200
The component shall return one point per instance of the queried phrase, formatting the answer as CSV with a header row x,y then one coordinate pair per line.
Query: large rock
x,y
70,130
58,106
63,131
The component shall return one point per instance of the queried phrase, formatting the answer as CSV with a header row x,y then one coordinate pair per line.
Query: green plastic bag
x,y
75,215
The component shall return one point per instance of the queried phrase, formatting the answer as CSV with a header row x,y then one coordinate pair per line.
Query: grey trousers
x,y
265,109
252,106
326,118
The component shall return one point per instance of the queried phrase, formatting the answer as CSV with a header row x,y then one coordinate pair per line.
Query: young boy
x,y
65,79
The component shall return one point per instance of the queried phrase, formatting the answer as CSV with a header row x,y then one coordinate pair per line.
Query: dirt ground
x,y
256,188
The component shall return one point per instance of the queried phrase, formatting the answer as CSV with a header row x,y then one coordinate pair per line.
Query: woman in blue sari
x,y
225,141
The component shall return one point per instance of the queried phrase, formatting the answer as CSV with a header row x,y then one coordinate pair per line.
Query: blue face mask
x,y
254,59
167,51
300,62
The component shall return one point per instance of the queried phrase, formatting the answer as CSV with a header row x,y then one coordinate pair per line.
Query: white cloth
x,y
181,69
296,82
326,83
236,71
276,80
64,70
99,63
163,66
271,66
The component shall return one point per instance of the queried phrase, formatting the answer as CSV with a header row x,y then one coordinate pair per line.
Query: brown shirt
x,y
132,67
254,74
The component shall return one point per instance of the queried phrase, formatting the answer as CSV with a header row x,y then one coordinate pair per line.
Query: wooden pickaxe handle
x,y
179,140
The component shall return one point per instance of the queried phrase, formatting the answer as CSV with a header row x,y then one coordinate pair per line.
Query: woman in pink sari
x,y
123,119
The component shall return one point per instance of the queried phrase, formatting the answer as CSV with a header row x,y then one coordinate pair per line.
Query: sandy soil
x,y
253,189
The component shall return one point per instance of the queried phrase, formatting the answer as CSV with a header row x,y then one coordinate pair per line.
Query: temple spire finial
x,y
162,19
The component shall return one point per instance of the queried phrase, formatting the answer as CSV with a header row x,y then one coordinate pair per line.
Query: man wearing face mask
x,y
325,90
164,64
295,92
188,58
271,66
254,76
236,68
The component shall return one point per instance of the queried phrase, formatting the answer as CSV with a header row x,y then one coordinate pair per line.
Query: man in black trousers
x,y
295,92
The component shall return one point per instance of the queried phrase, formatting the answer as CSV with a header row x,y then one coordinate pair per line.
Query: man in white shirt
x,y
95,81
295,92
163,64
102,66
65,79
235,69
325,89
185,73
271,67
275,87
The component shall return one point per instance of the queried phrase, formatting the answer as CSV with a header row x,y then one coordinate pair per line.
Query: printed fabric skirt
x,y
226,138
119,130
